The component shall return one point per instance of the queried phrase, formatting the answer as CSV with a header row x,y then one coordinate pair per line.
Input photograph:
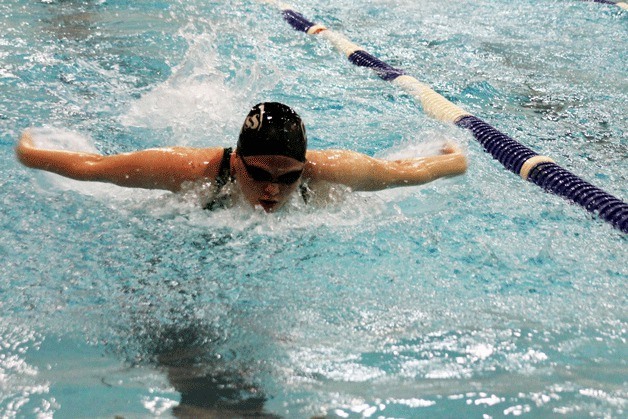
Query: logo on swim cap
x,y
273,128
255,121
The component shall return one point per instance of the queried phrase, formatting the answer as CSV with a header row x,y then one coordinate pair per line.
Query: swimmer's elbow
x,y
90,170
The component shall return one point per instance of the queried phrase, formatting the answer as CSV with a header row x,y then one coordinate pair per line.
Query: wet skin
x,y
271,195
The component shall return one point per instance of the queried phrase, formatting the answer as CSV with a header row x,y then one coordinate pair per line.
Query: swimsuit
x,y
222,199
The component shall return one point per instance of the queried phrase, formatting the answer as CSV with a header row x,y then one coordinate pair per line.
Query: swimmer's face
x,y
268,181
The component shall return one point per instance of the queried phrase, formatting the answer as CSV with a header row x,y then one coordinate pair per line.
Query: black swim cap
x,y
273,128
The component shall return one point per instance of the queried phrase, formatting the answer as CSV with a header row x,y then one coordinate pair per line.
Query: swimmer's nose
x,y
272,188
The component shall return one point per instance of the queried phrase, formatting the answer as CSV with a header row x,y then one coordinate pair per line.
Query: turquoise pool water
x,y
474,296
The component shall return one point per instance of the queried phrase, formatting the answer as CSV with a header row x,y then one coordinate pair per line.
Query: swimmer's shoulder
x,y
327,165
317,155
205,162
316,159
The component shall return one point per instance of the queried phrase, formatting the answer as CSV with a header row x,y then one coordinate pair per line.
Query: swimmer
x,y
270,163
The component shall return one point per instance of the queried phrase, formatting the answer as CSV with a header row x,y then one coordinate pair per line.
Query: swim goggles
x,y
261,175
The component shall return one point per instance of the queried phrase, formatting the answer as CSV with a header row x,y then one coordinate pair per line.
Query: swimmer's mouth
x,y
268,204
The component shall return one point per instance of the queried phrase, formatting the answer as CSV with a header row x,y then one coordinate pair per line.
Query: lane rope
x,y
517,158
621,4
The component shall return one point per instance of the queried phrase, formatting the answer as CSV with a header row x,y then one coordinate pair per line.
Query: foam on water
x,y
194,102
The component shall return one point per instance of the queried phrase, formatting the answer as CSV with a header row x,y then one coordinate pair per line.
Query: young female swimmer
x,y
269,164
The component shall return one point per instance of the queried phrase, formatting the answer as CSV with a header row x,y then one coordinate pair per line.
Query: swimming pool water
x,y
478,295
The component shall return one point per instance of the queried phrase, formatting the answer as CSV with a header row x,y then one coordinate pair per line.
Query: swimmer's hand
x,y
24,146
451,148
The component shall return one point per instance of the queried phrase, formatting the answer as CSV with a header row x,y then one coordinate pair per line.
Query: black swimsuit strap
x,y
224,176
224,173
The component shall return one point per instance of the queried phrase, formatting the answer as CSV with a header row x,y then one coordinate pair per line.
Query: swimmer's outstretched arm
x,y
364,173
165,168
